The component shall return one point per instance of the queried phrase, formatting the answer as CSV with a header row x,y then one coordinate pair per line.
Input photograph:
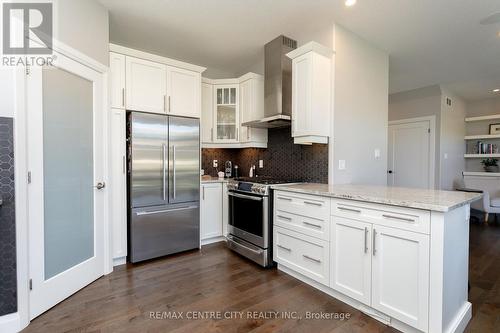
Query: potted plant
x,y
490,164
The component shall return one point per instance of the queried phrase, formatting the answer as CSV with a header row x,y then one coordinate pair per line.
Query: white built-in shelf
x,y
481,173
483,136
481,155
481,118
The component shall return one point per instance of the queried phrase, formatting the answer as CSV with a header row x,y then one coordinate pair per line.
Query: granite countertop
x,y
214,180
434,200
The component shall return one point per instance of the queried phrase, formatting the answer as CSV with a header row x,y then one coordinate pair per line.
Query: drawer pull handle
x,y
284,217
398,218
310,258
319,204
283,198
284,248
312,224
349,209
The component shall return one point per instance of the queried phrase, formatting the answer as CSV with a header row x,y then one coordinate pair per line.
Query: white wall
x,y
417,103
83,25
452,145
361,93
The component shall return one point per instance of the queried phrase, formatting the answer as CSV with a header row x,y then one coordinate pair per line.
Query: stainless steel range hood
x,y
277,85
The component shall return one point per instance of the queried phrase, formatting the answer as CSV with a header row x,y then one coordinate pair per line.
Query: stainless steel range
x,y
250,218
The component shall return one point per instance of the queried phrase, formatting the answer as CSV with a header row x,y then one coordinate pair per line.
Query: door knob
x,y
389,171
100,185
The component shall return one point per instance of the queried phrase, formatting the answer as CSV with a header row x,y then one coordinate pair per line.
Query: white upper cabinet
x,y
117,80
183,92
252,108
226,116
146,87
311,93
207,105
233,102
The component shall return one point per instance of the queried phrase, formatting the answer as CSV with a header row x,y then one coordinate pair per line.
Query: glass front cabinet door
x,y
226,113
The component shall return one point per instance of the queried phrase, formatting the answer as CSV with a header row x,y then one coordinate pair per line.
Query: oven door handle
x,y
237,195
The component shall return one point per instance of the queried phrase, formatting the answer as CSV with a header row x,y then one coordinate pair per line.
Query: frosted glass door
x,y
68,168
67,191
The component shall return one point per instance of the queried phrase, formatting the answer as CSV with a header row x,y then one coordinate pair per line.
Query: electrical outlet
x,y
261,164
215,164
341,164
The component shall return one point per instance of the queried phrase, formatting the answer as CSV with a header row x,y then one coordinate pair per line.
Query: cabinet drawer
x,y
306,255
397,217
319,228
315,207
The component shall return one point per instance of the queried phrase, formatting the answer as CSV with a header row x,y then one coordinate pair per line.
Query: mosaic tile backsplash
x,y
282,159
8,287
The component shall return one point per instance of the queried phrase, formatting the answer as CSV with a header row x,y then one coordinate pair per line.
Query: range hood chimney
x,y
277,84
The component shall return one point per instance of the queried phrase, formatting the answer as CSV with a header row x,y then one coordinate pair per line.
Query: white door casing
x,y
411,153
46,293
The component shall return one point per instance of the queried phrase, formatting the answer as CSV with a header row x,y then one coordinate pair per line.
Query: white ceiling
x,y
429,41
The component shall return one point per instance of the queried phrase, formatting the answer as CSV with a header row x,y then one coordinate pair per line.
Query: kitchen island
x,y
399,255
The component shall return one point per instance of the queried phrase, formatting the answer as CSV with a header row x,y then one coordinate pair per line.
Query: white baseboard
x,y
10,323
461,320
119,261
213,240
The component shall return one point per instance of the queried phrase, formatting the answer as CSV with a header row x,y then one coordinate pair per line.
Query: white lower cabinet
x,y
211,211
400,275
351,258
363,257
304,254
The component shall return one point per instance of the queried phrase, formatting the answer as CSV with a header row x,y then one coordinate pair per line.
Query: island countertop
x,y
433,200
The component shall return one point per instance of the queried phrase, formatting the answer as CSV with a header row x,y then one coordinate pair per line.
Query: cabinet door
x,y
400,275
207,114
301,94
183,90
146,85
118,183
117,80
226,114
211,210
351,258
246,106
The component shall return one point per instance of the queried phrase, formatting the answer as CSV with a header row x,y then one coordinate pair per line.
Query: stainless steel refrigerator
x,y
164,185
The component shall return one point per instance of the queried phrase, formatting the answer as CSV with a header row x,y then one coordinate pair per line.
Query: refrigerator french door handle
x,y
173,171
164,158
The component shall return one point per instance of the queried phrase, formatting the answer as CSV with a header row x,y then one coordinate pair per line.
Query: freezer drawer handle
x,y
166,211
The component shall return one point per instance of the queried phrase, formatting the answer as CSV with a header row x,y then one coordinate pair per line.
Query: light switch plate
x,y
377,153
261,164
341,164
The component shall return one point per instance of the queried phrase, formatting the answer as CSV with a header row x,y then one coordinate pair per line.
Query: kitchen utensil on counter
x,y
220,174
229,169
236,171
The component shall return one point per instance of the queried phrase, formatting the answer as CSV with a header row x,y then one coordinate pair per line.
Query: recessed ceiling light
x,y
496,90
491,19
350,3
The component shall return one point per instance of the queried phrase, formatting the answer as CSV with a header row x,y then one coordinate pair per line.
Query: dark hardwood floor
x,y
215,279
